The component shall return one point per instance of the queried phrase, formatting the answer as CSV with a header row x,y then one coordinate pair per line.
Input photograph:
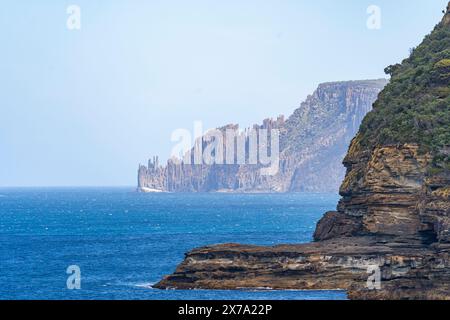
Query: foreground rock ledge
x,y
408,270
392,216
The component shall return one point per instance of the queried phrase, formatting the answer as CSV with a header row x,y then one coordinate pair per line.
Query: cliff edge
x,y
394,212
313,141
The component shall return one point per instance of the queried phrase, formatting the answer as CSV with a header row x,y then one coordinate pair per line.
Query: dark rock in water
x,y
393,219
313,142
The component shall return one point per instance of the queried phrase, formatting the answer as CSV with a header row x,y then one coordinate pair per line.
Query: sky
x,y
83,107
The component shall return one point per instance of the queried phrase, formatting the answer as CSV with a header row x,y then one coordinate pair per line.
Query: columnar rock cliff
x,y
394,213
313,142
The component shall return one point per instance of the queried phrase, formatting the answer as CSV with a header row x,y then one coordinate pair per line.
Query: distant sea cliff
x,y
313,142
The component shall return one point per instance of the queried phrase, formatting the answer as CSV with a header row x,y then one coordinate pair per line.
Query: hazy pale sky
x,y
85,107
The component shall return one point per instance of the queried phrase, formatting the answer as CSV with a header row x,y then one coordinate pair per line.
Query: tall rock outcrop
x,y
393,218
398,165
313,141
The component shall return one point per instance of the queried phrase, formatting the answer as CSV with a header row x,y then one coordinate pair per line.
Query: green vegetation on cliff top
x,y
415,106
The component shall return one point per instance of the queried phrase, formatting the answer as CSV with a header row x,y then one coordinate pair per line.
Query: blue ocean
x,y
123,241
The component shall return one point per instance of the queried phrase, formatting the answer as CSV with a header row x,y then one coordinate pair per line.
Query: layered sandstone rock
x,y
392,217
380,193
408,269
395,206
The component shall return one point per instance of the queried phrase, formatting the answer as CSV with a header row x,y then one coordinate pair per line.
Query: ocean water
x,y
125,241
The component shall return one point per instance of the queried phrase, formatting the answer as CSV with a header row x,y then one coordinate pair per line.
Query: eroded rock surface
x,y
395,206
408,269
397,223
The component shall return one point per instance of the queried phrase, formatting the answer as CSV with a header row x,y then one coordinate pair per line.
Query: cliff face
x,y
318,133
380,193
313,142
398,166
395,206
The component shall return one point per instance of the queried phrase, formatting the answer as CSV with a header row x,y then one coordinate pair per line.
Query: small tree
x,y
390,70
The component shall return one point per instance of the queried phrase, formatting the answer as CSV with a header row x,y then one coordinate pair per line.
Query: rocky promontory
x,y
393,217
312,143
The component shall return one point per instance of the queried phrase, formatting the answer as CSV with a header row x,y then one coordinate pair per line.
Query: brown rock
x,y
393,217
